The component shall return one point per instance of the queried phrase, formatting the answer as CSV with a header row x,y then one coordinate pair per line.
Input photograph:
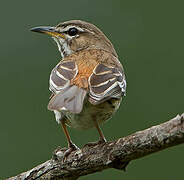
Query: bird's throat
x,y
63,47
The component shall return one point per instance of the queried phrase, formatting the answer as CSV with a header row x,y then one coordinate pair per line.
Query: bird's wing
x,y
106,82
66,96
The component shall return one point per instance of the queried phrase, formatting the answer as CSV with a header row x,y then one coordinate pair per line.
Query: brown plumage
x,y
89,82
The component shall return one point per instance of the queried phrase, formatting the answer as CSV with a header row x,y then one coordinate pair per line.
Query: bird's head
x,y
75,35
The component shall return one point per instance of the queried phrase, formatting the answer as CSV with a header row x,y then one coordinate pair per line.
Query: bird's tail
x,y
69,99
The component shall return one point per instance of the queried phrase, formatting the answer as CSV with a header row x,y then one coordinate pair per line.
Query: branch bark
x,y
115,154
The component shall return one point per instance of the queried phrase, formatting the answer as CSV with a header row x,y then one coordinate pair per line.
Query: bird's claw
x,y
72,147
101,141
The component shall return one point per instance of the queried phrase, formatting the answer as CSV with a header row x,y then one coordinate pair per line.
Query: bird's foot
x,y
101,141
72,147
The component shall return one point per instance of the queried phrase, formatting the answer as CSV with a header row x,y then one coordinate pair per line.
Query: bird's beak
x,y
48,30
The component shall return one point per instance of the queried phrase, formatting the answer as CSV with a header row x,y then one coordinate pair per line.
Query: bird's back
x,y
86,100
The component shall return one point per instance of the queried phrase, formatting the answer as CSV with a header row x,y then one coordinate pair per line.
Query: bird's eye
x,y
72,31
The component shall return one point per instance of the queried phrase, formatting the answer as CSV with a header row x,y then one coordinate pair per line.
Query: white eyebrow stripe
x,y
71,26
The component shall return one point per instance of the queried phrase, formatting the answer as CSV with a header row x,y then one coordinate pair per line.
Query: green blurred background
x,y
148,36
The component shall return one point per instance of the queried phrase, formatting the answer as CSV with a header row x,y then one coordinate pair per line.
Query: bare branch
x,y
116,154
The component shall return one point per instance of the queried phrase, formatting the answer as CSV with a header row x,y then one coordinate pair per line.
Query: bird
x,y
88,84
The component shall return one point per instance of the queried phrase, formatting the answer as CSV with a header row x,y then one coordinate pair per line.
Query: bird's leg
x,y
71,145
102,137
